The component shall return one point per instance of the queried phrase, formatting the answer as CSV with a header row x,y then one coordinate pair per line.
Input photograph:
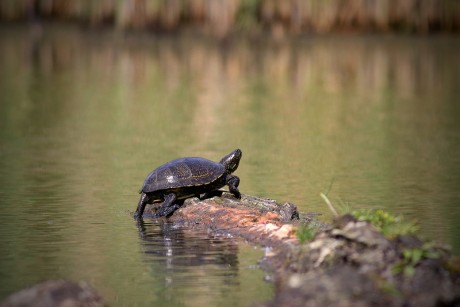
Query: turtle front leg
x,y
233,182
141,206
168,206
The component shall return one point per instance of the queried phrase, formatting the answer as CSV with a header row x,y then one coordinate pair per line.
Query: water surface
x,y
85,116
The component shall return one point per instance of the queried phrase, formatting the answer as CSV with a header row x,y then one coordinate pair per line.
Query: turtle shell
x,y
184,172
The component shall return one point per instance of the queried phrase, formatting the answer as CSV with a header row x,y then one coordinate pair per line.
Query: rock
x,y
55,293
288,212
259,220
353,264
341,286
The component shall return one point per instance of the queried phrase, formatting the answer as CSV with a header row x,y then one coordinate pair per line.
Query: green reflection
x,y
86,116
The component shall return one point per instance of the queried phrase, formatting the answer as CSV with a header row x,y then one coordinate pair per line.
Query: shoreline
x,y
349,261
353,261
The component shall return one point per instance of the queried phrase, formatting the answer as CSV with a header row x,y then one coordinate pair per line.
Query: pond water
x,y
86,115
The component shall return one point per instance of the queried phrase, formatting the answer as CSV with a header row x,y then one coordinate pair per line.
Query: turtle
x,y
187,177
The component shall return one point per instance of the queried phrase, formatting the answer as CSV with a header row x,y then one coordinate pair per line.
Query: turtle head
x,y
231,161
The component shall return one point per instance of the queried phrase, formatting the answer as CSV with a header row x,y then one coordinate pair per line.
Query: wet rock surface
x,y
259,220
55,293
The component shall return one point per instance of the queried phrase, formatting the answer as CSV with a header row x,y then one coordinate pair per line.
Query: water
x,y
85,116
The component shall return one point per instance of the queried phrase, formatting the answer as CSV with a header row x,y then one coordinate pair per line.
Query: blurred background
x,y
227,16
357,99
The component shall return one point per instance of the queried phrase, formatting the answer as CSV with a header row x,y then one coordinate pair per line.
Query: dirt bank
x,y
353,264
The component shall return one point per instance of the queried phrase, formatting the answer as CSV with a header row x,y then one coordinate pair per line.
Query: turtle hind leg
x,y
233,182
168,206
141,206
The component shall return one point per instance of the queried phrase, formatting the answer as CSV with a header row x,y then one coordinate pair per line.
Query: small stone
x,y
55,293
295,281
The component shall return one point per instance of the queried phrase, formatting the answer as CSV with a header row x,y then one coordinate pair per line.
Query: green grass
x,y
390,225
305,233
411,257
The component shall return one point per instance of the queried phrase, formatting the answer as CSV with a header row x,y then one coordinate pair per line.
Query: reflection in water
x,y
190,263
176,249
85,116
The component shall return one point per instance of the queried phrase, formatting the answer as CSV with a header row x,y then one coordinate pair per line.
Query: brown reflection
x,y
187,260
177,249
368,66
219,73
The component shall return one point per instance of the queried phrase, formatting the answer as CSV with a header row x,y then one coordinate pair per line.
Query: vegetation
x,y
350,254
226,16
390,225
306,233
411,257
